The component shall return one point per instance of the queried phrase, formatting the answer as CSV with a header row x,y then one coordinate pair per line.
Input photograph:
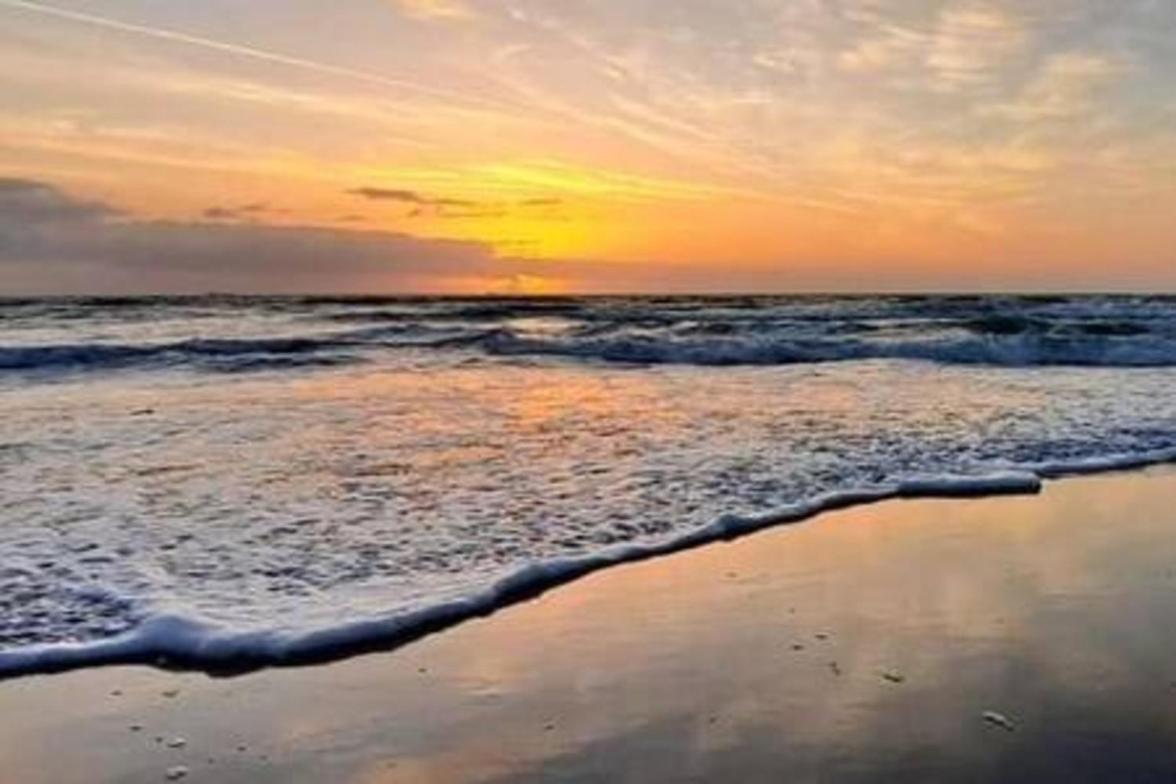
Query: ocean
x,y
228,482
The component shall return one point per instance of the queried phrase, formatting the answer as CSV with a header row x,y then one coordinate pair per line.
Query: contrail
x,y
250,52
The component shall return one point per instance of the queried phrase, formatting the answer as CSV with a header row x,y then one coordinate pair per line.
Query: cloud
x,y
237,213
972,44
388,194
28,202
408,197
450,208
51,242
966,45
1065,86
874,54
435,9
430,8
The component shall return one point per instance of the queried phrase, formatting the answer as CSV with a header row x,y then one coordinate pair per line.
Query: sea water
x,y
231,481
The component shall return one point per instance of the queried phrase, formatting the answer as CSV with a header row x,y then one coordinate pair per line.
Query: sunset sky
x,y
546,146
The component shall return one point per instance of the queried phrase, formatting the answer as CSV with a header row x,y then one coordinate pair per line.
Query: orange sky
x,y
595,144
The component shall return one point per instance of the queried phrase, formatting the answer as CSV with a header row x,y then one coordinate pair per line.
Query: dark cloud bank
x,y
51,243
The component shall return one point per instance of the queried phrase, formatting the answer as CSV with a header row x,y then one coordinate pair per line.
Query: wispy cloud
x,y
891,49
240,212
449,208
1066,85
965,45
435,9
408,197
973,43
247,51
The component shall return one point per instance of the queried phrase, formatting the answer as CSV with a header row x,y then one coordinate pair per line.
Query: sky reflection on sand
x,y
1041,610
1056,613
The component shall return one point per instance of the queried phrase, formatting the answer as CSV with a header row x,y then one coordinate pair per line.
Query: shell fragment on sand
x,y
999,720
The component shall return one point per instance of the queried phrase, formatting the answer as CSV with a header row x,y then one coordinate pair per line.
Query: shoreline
x,y
874,643
178,644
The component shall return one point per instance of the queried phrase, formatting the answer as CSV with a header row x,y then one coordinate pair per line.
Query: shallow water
x,y
250,471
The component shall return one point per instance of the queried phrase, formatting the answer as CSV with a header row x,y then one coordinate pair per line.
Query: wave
x,y
1011,351
973,330
216,354
238,354
177,642
713,345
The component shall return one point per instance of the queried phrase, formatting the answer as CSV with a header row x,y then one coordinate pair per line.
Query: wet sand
x,y
1002,639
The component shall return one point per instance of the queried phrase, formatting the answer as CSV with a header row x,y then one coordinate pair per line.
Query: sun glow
x,y
533,209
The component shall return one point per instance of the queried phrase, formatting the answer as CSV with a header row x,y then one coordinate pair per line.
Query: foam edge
x,y
177,643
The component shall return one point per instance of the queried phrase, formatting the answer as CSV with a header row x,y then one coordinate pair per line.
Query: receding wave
x,y
175,641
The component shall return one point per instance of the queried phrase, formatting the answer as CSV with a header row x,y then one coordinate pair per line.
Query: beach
x,y
1022,638
488,391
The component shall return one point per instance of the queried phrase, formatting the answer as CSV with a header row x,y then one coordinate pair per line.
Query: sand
x,y
1002,639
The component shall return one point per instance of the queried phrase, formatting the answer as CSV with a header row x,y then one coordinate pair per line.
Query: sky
x,y
562,146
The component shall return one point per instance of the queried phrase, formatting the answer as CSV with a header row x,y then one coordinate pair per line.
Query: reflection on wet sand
x,y
867,645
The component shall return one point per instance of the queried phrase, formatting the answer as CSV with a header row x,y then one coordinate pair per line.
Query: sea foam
x,y
177,642
172,641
